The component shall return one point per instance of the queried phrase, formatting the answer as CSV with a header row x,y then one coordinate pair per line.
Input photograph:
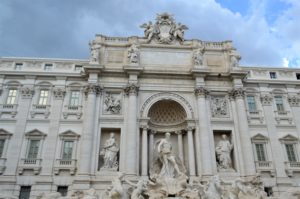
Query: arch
x,y
278,91
166,96
12,83
44,83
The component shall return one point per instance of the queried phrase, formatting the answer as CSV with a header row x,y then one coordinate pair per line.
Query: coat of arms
x,y
165,30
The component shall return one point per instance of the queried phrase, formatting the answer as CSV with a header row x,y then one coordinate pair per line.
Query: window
x,y
63,190
74,98
43,99
18,66
67,150
25,192
290,150
298,76
78,68
2,142
48,67
12,96
279,103
260,152
273,75
33,149
251,103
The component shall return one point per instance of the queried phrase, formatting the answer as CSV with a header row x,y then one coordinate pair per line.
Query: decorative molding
x,y
201,91
294,100
93,89
59,93
237,93
27,92
219,107
266,99
131,89
112,103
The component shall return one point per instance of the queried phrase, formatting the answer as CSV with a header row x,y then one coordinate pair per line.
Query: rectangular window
x,y
63,190
2,142
290,150
251,103
18,66
48,67
279,103
33,149
43,99
25,192
78,68
67,150
273,75
298,76
74,98
12,96
260,152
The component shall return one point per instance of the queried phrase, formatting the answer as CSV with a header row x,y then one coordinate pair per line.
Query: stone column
x,y
88,131
151,146
131,153
204,155
180,145
145,151
191,151
248,159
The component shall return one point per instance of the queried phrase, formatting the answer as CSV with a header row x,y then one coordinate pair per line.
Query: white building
x,y
56,114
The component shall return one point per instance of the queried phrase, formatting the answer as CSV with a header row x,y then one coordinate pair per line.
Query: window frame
x,y
18,66
34,134
78,98
48,67
45,99
66,136
255,103
261,139
14,97
290,140
5,135
273,75
282,103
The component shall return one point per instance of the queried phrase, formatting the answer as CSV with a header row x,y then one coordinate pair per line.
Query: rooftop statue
x,y
165,30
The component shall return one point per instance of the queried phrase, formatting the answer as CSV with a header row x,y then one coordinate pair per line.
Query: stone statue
x,y
198,56
178,31
214,189
133,54
110,153
139,189
95,52
234,60
115,191
223,151
113,105
237,187
149,31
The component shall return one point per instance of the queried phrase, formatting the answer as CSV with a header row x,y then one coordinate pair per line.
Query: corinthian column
x,y
180,145
131,137
248,160
92,91
144,150
204,136
191,151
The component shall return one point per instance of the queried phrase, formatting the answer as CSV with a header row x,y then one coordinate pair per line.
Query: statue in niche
x,y
133,54
198,56
219,107
110,154
223,151
95,52
113,105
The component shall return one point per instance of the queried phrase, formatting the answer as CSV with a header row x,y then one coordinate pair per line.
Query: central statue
x,y
167,170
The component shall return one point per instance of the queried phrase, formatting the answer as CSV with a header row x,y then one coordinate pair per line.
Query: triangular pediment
x,y
289,138
259,137
35,133
69,133
4,133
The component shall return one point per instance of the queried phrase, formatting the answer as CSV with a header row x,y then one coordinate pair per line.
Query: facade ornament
x,y
59,93
27,92
133,54
139,188
237,93
93,89
219,106
165,30
116,190
198,56
234,59
201,91
294,100
266,99
95,52
131,89
110,154
112,104
223,154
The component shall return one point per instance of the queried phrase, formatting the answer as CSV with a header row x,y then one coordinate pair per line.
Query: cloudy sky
x,y
265,32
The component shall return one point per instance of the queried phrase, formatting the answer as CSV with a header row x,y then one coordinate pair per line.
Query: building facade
x,y
75,124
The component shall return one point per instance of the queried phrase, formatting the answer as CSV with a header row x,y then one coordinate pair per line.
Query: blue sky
x,y
265,32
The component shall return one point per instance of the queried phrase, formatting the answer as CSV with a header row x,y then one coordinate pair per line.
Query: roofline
x,y
43,59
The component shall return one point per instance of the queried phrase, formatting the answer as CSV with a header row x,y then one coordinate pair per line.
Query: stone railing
x,y
291,167
30,164
10,109
72,110
283,116
265,166
255,115
39,109
65,164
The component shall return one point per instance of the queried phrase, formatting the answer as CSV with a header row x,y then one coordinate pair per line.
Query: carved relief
x,y
165,30
27,92
234,59
266,99
133,54
294,100
219,106
198,56
112,103
59,93
95,52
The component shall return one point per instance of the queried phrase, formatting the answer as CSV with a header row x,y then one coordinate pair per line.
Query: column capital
x,y
27,92
93,89
266,99
131,89
190,128
153,131
179,132
237,93
144,126
59,93
201,91
294,100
